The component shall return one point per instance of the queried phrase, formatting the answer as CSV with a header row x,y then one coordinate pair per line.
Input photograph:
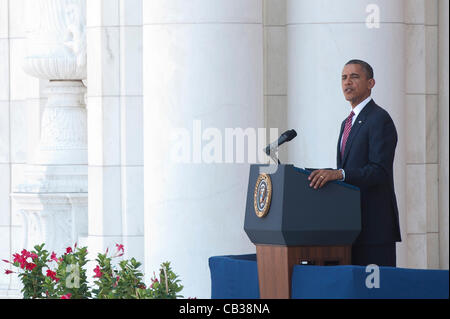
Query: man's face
x,y
355,84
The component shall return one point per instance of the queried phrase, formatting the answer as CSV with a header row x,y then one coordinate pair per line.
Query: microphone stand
x,y
274,156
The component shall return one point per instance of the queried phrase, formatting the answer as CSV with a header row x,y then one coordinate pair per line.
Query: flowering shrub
x,y
46,276
32,277
167,286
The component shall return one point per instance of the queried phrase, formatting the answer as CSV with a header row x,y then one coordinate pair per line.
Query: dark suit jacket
x,y
368,164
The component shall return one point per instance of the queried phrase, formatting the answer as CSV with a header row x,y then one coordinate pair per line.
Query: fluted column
x,y
203,67
322,36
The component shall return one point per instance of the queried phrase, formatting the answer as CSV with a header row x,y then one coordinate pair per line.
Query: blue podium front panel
x,y
236,277
353,282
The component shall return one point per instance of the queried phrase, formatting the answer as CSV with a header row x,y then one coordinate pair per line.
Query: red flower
x,y
25,254
6,261
20,259
68,250
8,272
153,281
53,257
68,296
120,249
52,275
17,257
30,266
98,272
116,282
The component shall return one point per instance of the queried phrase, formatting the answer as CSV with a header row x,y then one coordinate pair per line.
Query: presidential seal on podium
x,y
262,195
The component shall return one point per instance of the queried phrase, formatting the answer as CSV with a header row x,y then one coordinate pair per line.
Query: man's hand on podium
x,y
320,177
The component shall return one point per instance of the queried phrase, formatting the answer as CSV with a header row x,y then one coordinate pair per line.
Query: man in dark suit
x,y
365,156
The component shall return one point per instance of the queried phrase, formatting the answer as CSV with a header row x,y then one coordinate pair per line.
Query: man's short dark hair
x,y
366,67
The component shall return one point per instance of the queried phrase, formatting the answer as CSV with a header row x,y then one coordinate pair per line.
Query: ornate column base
x,y
52,200
56,219
54,179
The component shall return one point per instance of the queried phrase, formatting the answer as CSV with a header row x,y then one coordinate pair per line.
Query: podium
x,y
291,223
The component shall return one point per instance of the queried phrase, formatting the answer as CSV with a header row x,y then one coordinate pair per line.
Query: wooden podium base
x,y
275,265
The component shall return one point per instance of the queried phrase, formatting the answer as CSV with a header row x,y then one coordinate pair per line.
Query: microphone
x,y
285,137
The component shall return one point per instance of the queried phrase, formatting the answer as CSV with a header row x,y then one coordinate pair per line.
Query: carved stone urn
x,y
52,199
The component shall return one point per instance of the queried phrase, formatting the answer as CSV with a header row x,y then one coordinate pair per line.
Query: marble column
x,y
321,37
275,69
443,133
203,63
421,18
114,99
21,99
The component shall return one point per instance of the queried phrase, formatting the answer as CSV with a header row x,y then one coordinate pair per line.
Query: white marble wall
x,y
21,102
275,69
203,60
422,126
115,138
5,157
322,36
443,133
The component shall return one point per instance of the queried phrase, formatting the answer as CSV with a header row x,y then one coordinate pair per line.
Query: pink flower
x,y
8,272
33,256
98,272
68,296
69,250
6,261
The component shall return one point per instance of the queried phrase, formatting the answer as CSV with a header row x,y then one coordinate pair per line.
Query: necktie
x,y
347,128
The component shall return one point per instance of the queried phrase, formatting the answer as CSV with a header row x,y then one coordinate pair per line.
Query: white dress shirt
x,y
356,110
